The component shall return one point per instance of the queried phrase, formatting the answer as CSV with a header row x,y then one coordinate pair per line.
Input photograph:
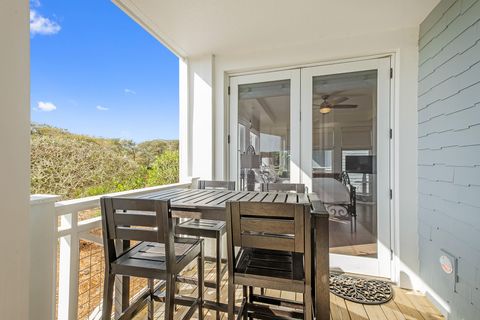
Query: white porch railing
x,y
77,222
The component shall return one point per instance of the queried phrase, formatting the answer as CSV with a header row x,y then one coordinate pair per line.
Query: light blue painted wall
x,y
449,152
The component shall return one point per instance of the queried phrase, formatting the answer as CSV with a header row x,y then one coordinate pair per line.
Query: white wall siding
x,y
449,152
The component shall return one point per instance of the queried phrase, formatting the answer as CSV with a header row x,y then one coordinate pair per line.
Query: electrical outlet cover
x,y
448,264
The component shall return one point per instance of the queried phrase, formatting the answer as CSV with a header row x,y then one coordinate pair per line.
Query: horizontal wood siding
x,y
449,152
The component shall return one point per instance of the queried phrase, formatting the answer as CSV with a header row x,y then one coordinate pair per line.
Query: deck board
x,y
423,306
338,308
356,311
405,304
392,311
374,312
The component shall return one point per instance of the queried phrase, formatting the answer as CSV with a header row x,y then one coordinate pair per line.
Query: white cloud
x,y
46,106
100,108
41,25
130,91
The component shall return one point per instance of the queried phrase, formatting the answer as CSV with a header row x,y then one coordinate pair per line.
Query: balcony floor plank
x,y
405,305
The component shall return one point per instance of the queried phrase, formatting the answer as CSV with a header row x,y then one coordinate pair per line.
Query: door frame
x,y
235,81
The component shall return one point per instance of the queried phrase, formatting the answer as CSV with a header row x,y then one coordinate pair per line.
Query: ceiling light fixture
x,y
325,108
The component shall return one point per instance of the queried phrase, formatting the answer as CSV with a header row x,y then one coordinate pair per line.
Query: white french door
x,y
346,128
311,125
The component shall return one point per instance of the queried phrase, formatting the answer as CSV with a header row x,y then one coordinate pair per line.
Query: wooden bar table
x,y
211,204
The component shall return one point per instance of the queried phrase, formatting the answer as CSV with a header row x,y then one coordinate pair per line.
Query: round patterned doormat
x,y
360,290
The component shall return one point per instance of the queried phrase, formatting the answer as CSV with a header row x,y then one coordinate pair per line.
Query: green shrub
x,y
76,166
164,169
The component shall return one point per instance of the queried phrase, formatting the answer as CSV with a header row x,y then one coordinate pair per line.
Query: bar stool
x,y
282,187
157,255
209,229
268,247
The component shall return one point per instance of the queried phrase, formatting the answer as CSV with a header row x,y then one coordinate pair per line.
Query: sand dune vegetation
x,y
75,166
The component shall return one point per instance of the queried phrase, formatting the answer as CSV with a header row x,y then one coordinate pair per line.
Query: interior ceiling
x,y
357,88
229,26
266,113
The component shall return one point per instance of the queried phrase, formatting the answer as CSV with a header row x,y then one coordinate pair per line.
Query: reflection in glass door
x,y
264,109
346,161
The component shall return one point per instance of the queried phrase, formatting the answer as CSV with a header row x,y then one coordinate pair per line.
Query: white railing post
x,y
68,264
43,250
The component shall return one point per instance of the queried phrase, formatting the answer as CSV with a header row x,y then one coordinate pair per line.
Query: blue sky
x,y
95,71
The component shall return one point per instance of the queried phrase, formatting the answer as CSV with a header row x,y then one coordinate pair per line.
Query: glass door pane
x,y
264,133
344,148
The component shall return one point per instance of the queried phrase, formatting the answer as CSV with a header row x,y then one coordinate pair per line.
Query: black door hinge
x,y
228,90
391,133
228,139
391,73
391,194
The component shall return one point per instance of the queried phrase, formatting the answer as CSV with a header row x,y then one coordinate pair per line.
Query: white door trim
x,y
381,266
294,77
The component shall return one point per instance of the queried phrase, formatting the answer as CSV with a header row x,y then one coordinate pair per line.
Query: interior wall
x,y
14,158
404,44
449,154
343,136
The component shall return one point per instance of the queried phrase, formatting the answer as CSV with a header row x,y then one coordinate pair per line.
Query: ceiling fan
x,y
327,105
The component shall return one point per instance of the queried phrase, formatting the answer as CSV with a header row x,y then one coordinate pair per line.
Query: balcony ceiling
x,y
231,27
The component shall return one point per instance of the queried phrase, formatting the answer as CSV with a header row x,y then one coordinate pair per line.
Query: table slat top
x,y
211,199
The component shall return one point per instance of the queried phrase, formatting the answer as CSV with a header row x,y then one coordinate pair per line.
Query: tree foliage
x,y
75,166
146,152
164,169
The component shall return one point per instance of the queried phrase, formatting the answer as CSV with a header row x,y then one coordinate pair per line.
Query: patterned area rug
x,y
360,290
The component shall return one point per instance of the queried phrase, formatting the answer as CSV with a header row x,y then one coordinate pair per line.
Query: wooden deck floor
x,y
406,305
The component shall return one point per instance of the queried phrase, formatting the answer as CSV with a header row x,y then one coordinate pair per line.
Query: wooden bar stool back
x,y
273,252
283,187
212,184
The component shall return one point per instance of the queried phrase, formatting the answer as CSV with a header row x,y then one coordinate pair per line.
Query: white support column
x,y
43,248
200,108
185,167
14,158
201,125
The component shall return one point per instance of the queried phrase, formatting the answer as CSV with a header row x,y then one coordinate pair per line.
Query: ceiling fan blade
x,y
344,106
340,100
